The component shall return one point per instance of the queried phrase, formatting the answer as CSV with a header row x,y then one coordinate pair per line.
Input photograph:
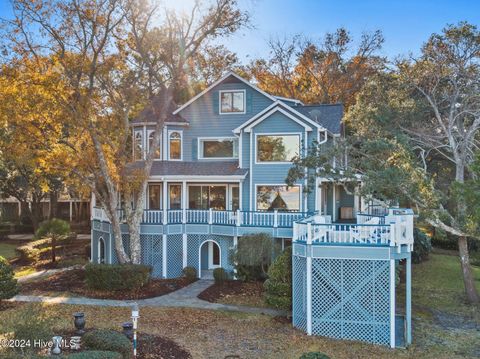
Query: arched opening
x,y
101,250
210,258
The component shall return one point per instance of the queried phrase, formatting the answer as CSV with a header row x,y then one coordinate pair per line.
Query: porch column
x,y
334,202
184,245
356,200
319,203
164,202
184,201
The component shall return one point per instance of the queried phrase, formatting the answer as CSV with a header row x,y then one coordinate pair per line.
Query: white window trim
x,y
147,202
227,186
279,185
232,113
149,132
141,131
299,134
200,148
181,145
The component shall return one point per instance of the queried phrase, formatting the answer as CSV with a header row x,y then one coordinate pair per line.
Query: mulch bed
x,y
155,347
232,288
73,281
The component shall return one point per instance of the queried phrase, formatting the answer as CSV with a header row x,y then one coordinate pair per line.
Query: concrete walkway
x,y
185,297
45,273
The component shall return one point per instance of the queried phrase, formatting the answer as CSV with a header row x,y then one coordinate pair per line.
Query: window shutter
x,y
215,102
249,101
194,149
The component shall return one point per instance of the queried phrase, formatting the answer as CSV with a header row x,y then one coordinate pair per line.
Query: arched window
x,y
175,145
138,145
151,135
101,250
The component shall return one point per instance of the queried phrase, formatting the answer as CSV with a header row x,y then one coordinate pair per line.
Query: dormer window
x,y
232,101
175,145
138,144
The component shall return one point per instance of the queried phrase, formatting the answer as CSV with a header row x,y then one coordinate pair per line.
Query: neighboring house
x,y
220,174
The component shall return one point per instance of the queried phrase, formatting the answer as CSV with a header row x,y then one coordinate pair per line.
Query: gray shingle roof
x,y
329,116
150,113
182,168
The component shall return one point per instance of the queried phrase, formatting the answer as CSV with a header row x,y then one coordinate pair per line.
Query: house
x,y
220,174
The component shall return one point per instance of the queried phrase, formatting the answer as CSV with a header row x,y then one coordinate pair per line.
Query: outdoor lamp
x,y
135,316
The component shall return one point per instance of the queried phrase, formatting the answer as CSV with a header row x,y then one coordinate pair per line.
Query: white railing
x,y
372,230
273,219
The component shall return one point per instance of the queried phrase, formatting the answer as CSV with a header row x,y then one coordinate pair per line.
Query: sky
x,y
406,24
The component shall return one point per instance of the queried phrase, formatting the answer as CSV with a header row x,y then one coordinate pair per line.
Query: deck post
x,y
184,243
239,220
184,202
210,216
334,202
164,255
408,297
392,303
275,218
309,278
164,202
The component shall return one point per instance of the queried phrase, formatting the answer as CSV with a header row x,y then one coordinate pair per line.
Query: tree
x,y
114,61
329,71
55,229
29,134
415,133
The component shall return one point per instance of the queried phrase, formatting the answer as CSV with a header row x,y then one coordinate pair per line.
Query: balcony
x,y
393,229
274,219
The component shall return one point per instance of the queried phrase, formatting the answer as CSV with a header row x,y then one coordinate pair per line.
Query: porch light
x,y
135,316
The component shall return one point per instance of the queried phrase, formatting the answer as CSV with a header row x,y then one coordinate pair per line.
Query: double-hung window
x,y
175,145
278,197
138,144
157,154
232,101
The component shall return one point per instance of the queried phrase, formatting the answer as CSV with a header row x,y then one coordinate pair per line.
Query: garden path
x,y
184,297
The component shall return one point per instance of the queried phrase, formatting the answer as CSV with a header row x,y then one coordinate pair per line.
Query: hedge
x,y
220,275
117,276
190,273
278,286
107,340
8,284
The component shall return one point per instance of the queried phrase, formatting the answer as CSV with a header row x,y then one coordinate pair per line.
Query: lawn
x,y
444,325
7,250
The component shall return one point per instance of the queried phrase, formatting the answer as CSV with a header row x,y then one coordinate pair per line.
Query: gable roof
x,y
271,112
328,115
278,104
220,80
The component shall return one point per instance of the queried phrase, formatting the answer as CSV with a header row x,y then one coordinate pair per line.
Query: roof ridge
x,y
322,104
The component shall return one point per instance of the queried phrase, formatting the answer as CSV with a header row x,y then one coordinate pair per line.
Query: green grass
x,y
7,250
438,284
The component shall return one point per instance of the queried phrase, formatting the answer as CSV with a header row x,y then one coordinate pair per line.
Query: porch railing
x,y
274,219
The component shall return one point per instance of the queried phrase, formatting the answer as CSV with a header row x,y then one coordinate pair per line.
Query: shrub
x,y
8,284
109,340
253,256
55,229
117,276
422,246
96,354
314,355
190,273
30,322
278,286
220,275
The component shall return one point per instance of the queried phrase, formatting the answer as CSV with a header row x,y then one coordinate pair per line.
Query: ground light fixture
x,y
135,316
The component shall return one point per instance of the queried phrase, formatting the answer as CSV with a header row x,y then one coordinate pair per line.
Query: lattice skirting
x,y
350,298
153,251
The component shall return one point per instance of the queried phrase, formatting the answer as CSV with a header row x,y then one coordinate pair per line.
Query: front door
x,y
213,255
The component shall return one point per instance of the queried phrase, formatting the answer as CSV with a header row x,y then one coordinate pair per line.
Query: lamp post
x,y
135,317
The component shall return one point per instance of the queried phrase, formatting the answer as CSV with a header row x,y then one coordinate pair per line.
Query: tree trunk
x,y
54,244
34,214
468,281
53,205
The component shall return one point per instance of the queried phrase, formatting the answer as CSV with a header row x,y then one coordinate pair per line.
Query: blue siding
x,y
205,121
